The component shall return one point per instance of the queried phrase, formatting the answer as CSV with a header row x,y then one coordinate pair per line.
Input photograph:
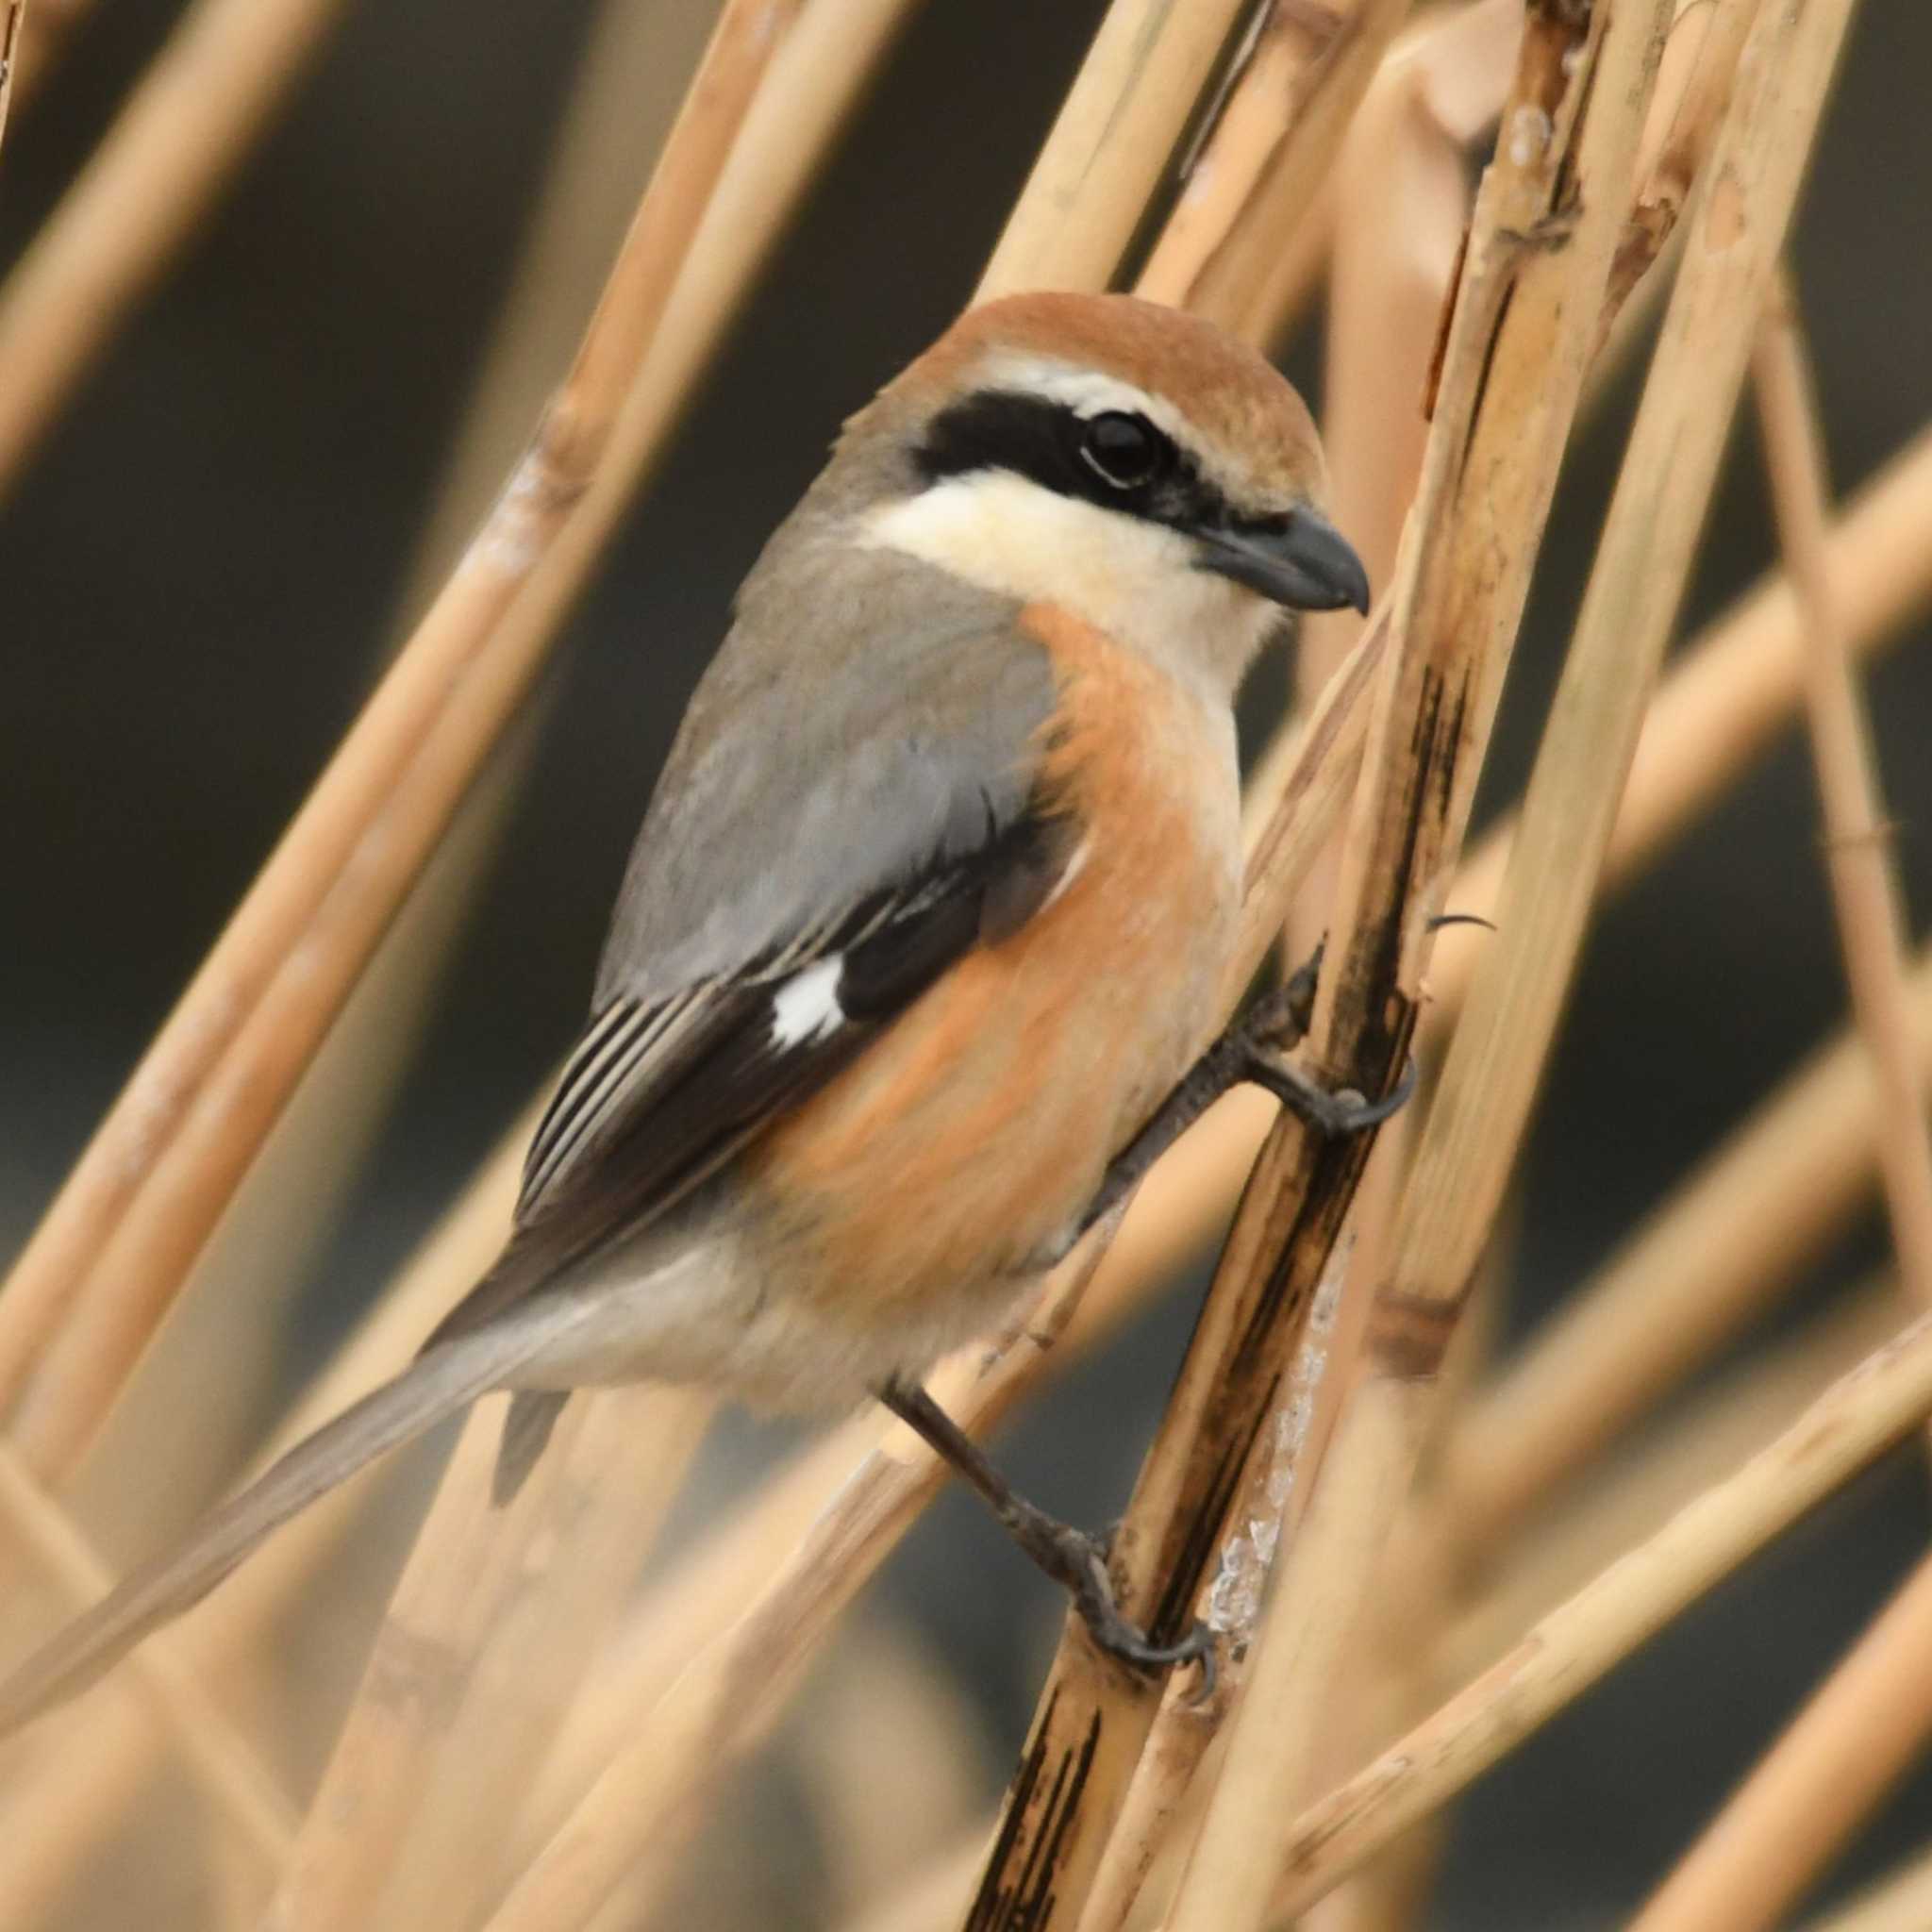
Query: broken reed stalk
x,y
112,1251
191,120
1518,337
1855,1421
1858,1734
1860,838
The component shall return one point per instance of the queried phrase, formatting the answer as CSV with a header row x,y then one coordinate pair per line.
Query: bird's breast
x,y
970,1137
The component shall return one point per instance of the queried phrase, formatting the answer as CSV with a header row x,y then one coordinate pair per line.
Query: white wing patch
x,y
806,1005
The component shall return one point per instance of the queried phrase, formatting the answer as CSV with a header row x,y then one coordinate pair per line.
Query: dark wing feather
x,y
656,1098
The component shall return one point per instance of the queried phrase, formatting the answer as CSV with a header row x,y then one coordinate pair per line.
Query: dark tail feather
x,y
533,1414
436,1385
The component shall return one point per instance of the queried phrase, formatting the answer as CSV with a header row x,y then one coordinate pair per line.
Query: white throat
x,y
1131,578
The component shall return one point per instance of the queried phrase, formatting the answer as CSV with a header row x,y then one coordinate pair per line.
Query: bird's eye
x,y
1126,451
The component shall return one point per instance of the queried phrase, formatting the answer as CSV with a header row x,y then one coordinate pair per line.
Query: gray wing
x,y
815,858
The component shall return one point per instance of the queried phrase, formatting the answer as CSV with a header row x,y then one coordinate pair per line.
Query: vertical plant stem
x,y
1858,837
1524,324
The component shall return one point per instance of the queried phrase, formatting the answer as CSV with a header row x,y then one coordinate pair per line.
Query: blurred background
x,y
214,550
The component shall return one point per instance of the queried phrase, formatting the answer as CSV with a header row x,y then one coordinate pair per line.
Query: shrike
x,y
928,920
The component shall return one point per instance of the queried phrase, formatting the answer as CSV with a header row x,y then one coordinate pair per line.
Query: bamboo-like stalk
x,y
1264,1518
1716,1253
45,39
1494,1061
616,1481
429,1640
1901,1901
887,1713
1864,879
458,1701
1856,1420
1693,89
242,1789
1280,130
1512,375
165,1161
1109,145
1858,1734
197,111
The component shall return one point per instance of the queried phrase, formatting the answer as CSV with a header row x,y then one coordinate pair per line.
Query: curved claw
x,y
1095,1599
1335,1113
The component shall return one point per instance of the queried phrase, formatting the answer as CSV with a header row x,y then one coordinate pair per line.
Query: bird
x,y
917,961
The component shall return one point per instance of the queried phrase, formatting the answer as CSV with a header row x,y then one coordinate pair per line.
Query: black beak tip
x,y
1302,562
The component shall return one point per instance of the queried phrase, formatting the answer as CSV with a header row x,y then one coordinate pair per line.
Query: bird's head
x,y
1133,464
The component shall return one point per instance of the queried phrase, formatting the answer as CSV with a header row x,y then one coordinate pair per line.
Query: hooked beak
x,y
1300,560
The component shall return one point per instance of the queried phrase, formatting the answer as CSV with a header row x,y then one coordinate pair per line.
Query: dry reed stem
x,y
1899,1901
1858,836
1248,200
1735,683
1512,375
888,1713
164,1163
1858,1734
428,1642
1495,1059
1428,100
618,1480
1646,1482
240,1788
1110,146
1244,282
1693,89
90,1768
1864,1725
637,58
195,113
1264,1517
1716,1253
1856,1420
933,1899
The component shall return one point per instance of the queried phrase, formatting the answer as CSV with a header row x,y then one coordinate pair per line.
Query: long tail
x,y
437,1384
